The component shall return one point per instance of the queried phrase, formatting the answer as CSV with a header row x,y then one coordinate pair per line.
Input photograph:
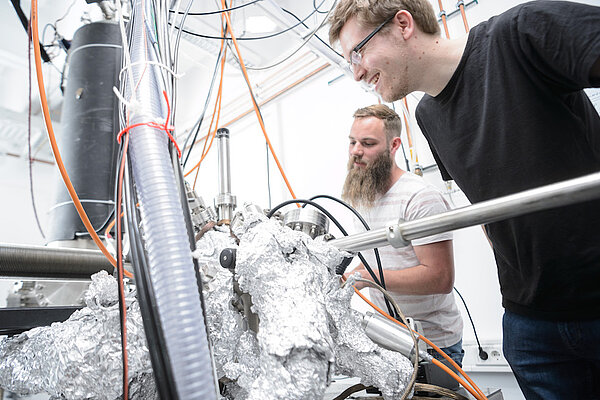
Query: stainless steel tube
x,y
49,262
225,202
550,196
223,159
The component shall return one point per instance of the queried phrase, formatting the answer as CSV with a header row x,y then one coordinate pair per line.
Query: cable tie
x,y
163,66
132,105
154,124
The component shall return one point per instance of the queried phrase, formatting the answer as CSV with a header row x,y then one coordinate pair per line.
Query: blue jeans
x,y
553,359
455,352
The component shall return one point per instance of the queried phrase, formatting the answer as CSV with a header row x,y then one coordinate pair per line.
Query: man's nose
x,y
356,150
358,72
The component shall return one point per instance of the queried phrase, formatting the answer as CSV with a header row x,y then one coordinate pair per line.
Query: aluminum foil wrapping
x,y
277,267
81,357
307,328
356,355
306,323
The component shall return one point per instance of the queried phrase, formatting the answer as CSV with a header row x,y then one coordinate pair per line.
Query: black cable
x,y
365,225
350,391
219,11
268,175
317,8
317,36
482,353
249,38
391,310
25,22
198,124
159,357
335,221
402,145
404,155
120,283
37,220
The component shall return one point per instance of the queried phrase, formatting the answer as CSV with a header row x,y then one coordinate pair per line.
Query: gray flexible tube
x,y
170,262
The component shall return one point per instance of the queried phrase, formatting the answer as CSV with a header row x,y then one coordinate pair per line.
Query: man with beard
x,y
504,111
419,276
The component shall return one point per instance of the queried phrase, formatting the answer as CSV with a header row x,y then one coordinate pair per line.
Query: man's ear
x,y
395,145
404,20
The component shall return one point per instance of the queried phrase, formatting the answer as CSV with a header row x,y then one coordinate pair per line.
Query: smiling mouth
x,y
374,80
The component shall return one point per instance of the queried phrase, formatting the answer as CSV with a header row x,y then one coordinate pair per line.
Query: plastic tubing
x,y
170,261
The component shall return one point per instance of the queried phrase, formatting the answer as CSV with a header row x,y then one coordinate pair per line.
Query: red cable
x,y
165,127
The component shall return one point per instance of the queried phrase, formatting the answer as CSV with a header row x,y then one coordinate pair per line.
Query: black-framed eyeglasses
x,y
355,56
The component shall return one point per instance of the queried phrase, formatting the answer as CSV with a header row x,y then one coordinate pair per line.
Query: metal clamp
x,y
394,235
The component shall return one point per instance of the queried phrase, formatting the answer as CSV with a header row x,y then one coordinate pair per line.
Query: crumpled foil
x,y
357,355
307,328
79,358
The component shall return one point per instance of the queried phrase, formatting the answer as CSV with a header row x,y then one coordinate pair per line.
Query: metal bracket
x,y
394,235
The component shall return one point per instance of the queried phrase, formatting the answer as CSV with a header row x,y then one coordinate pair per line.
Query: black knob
x,y
227,258
341,268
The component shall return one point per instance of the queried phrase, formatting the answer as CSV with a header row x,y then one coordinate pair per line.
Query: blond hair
x,y
371,13
391,121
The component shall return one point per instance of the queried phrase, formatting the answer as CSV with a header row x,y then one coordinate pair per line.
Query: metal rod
x,y
550,196
225,202
223,160
48,262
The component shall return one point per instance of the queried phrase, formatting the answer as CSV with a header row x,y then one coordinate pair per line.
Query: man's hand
x,y
360,268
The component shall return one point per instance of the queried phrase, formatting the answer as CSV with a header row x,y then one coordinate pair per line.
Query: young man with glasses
x,y
504,111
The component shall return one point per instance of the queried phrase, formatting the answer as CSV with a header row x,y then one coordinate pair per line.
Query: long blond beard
x,y
363,185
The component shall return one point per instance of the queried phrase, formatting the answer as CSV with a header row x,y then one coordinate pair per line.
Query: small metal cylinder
x,y
391,336
312,222
388,334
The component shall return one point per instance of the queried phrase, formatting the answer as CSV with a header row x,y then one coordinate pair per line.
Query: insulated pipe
x,y
170,263
48,262
550,196
88,135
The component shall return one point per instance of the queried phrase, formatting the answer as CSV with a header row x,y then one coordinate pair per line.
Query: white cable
x,y
124,42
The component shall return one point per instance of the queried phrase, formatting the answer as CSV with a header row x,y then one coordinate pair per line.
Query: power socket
x,y
495,356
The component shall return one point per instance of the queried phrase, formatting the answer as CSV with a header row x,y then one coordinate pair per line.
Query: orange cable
x,y
274,96
120,270
453,374
436,348
461,6
214,133
216,111
408,134
444,22
54,145
260,120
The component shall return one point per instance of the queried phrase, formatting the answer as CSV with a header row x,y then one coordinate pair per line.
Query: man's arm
x,y
433,275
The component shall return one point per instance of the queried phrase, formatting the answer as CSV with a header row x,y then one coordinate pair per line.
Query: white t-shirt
x,y
408,199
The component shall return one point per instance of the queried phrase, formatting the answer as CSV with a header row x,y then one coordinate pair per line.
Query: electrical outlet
x,y
495,356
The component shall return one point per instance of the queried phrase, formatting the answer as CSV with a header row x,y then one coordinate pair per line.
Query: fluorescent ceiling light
x,y
260,24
